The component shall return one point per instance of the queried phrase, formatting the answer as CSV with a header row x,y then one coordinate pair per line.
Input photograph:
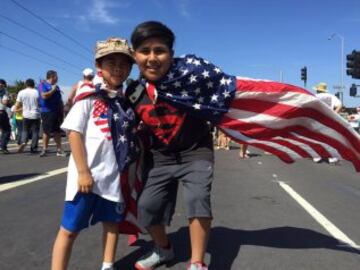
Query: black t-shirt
x,y
176,137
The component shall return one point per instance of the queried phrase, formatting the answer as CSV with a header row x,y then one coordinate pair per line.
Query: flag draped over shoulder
x,y
282,119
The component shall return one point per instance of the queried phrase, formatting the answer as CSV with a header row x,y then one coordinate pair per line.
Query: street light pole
x,y
341,63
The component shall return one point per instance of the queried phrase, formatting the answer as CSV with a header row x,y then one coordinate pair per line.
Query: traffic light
x,y
304,74
353,64
353,90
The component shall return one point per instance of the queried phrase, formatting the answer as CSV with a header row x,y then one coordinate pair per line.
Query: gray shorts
x,y
157,201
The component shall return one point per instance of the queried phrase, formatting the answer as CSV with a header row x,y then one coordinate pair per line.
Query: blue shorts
x,y
90,208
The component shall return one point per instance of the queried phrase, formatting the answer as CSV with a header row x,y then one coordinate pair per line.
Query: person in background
x,y
3,90
88,76
223,141
17,122
27,100
333,102
4,121
354,119
244,152
51,109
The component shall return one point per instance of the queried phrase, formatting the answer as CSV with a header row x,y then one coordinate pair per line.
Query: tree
x,y
16,87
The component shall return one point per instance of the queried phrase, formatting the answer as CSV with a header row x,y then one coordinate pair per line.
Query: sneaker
x,y
5,151
317,159
61,154
197,266
155,258
43,153
334,161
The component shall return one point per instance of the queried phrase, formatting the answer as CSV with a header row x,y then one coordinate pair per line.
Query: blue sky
x,y
269,39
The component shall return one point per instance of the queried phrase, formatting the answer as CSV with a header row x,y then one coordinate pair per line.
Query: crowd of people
x,y
32,110
102,128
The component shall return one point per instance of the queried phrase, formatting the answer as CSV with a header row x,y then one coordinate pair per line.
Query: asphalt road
x,y
267,215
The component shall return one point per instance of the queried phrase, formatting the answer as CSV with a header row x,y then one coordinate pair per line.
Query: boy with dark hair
x,y
182,151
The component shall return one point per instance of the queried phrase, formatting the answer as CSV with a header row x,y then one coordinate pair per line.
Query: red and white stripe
x,y
289,122
101,109
131,186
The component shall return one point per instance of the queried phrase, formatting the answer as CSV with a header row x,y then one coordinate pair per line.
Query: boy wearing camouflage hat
x,y
93,191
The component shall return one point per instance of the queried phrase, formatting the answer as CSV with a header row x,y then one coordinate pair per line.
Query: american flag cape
x,y
279,118
117,122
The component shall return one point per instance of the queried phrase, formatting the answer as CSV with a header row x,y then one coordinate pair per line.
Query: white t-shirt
x,y
30,106
329,99
89,117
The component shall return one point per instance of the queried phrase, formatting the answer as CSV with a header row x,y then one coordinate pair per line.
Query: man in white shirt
x,y
333,102
28,100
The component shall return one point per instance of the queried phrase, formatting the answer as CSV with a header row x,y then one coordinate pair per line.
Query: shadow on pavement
x,y
227,242
17,177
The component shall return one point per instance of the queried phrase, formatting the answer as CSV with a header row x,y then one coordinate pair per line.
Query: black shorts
x,y
51,122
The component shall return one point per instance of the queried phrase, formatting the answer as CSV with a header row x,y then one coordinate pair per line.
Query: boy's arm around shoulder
x,y
85,180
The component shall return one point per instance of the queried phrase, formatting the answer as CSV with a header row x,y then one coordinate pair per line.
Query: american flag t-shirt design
x,y
100,117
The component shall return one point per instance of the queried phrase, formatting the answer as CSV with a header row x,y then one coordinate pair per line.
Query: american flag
x,y
282,119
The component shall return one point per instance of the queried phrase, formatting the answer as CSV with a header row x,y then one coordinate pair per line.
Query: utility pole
x,y
341,62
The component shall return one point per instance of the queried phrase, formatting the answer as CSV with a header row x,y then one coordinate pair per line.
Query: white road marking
x,y
320,218
15,146
8,186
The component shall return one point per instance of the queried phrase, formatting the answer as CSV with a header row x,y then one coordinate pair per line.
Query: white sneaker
x,y
197,266
317,159
333,161
61,154
155,258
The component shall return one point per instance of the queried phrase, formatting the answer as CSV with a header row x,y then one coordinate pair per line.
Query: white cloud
x,y
184,8
100,12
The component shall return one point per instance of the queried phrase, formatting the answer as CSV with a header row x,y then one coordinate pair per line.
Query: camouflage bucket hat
x,y
113,45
